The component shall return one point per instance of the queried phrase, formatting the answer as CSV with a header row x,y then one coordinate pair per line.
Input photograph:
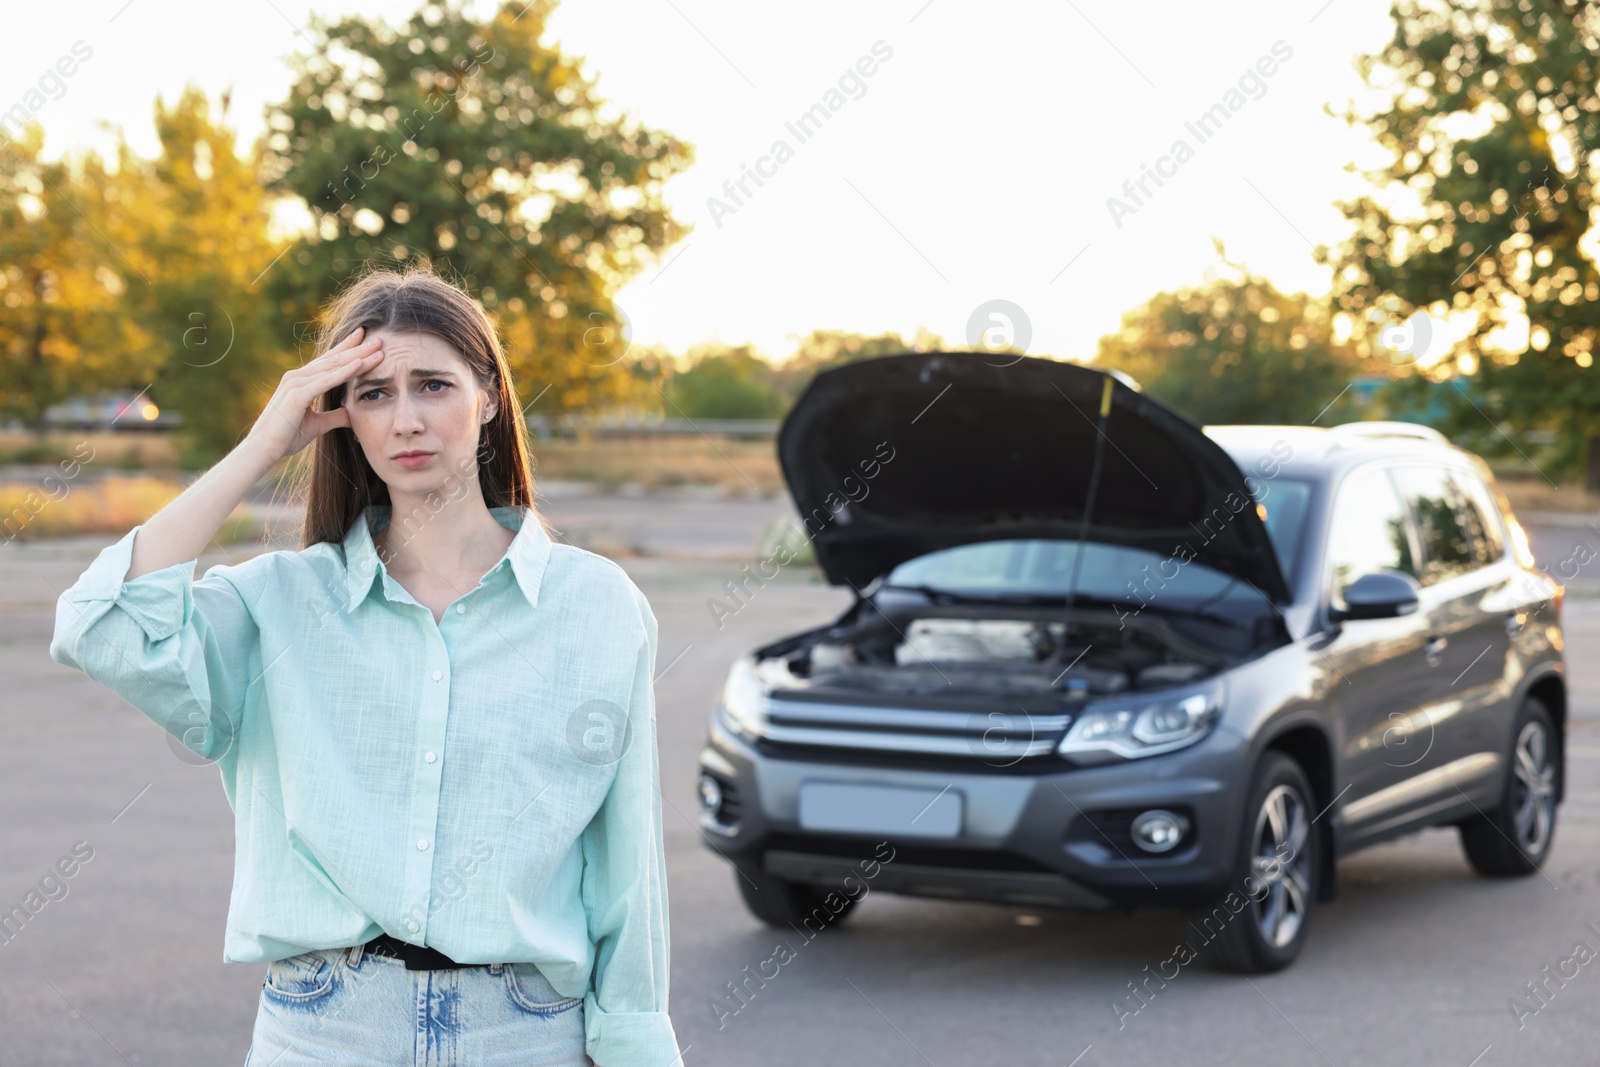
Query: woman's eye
x,y
370,393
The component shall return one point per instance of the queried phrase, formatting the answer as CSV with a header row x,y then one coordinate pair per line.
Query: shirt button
x,y
437,675
422,844
430,757
412,926
461,609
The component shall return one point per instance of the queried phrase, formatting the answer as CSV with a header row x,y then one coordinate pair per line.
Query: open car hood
x,y
891,458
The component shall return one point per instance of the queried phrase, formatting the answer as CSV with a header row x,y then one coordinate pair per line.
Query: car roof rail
x,y
1379,428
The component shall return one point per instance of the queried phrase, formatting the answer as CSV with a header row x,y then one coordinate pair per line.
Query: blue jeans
x,y
347,1006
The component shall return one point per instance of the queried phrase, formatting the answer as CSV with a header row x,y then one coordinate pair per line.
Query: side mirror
x,y
1380,595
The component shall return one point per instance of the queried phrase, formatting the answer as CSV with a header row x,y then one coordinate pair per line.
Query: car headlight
x,y
1143,724
744,699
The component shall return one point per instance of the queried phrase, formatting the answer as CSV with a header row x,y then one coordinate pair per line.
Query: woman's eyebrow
x,y
416,373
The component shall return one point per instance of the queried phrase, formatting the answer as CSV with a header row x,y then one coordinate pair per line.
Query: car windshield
x,y
1287,502
1024,568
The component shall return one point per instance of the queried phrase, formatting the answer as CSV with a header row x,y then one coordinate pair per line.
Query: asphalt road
x,y
1415,964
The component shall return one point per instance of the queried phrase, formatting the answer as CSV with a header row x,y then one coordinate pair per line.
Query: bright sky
x,y
974,164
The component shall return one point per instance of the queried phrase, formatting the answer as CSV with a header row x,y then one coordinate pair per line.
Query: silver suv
x,y
1100,657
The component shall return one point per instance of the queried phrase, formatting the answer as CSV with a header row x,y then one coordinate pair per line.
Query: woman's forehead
x,y
415,343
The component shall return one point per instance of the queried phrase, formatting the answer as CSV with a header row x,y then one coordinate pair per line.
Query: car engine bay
x,y
971,652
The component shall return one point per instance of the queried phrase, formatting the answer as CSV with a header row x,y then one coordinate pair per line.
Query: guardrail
x,y
83,417
572,426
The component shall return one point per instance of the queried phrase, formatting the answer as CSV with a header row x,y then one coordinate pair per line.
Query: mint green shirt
x,y
486,784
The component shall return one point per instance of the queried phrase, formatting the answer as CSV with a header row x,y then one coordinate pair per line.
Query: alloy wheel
x,y
1533,793
1284,872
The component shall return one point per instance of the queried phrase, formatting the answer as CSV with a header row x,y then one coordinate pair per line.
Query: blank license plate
x,y
880,809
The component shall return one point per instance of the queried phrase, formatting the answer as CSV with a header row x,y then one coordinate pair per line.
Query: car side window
x,y
1482,515
1447,543
1368,532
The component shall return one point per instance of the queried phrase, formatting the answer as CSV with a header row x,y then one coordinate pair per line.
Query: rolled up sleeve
x,y
179,650
625,894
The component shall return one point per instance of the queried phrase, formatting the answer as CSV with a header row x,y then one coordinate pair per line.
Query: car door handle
x,y
1433,651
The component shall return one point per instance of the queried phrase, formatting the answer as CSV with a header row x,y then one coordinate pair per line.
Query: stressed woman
x,y
435,726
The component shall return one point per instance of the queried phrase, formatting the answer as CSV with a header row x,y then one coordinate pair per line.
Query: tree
x,y
68,257
204,221
486,152
822,350
137,276
1234,350
1481,217
723,382
733,381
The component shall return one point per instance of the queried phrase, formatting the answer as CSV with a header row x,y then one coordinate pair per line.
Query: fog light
x,y
710,794
1159,831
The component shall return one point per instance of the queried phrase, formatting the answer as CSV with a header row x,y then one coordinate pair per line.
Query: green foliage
x,y
1235,351
136,277
204,231
484,151
723,383
822,350
732,382
67,260
472,145
1491,111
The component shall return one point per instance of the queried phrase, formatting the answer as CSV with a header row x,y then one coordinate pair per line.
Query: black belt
x,y
415,957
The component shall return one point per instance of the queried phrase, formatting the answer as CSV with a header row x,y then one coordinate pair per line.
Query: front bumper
x,y
1049,835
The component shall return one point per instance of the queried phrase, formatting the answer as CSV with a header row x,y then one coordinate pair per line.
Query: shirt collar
x,y
527,556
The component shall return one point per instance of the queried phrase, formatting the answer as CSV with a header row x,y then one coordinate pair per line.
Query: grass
x,y
116,451
1533,494
56,503
58,507
733,464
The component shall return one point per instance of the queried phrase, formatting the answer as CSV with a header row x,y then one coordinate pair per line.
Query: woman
x,y
435,726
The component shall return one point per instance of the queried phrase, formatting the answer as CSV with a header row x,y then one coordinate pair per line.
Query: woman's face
x,y
418,413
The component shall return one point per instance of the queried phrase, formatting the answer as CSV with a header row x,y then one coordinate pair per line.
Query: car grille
x,y
981,734
863,849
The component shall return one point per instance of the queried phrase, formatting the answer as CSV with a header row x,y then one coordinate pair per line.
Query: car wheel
x,y
1259,923
782,903
1515,837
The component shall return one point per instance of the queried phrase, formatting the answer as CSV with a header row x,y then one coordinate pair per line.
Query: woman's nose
x,y
407,413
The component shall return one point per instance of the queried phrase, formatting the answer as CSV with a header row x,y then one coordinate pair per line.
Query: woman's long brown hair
x,y
339,482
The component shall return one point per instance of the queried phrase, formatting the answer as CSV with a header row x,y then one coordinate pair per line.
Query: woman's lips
x,y
414,460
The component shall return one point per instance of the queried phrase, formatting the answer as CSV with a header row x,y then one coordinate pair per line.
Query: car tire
x,y
1514,838
784,904
1259,922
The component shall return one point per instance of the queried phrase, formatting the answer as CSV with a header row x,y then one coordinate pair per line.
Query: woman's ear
x,y
491,400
